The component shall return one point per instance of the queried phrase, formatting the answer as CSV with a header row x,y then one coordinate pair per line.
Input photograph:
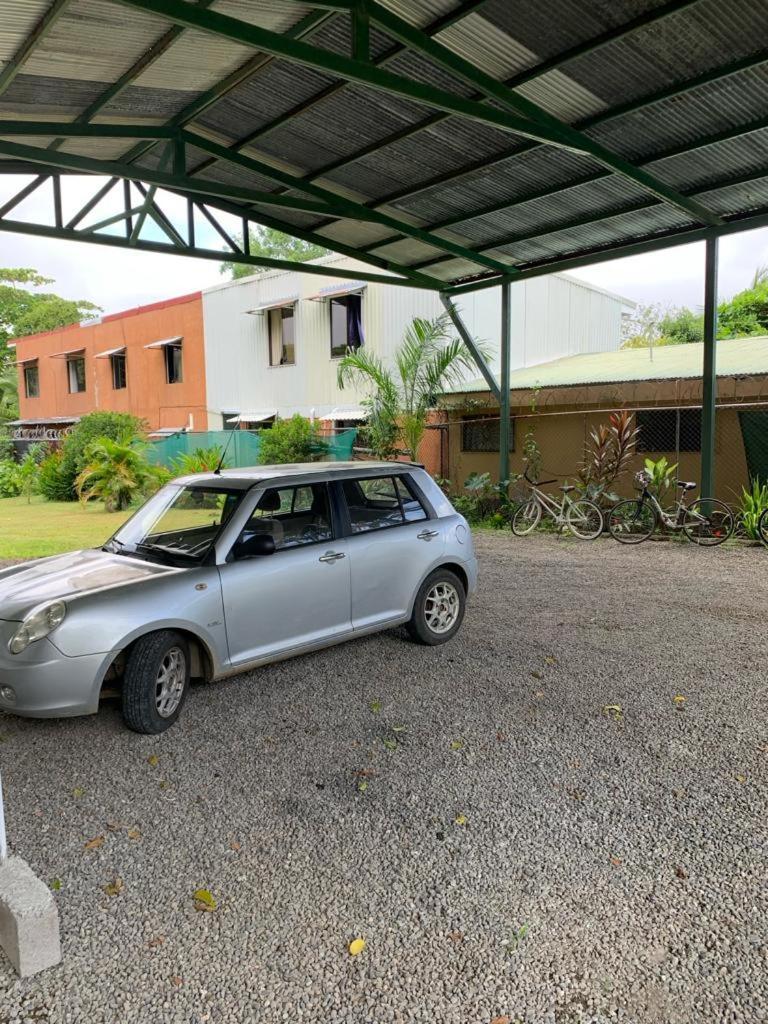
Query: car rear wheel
x,y
156,682
438,610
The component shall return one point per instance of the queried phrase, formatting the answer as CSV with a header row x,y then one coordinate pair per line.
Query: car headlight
x,y
38,624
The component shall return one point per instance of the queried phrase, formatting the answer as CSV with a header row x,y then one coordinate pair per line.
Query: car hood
x,y
23,587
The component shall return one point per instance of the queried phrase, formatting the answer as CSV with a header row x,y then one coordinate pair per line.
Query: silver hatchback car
x,y
219,573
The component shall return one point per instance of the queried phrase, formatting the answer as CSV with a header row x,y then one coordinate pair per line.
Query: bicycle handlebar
x,y
538,483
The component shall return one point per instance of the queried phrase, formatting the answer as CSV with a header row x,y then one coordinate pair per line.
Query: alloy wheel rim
x,y
441,608
170,682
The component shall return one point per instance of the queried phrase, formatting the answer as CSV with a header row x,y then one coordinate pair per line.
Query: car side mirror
x,y
256,546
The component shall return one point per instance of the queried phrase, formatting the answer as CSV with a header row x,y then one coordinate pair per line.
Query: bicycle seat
x,y
686,485
567,487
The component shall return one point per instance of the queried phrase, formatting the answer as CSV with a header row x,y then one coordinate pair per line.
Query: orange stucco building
x,y
149,361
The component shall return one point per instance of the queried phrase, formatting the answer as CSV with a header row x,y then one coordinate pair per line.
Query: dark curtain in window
x,y
354,321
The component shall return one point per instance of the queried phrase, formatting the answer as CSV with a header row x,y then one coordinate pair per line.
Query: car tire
x,y
156,682
438,610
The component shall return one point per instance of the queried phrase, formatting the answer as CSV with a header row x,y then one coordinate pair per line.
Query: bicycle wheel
x,y
526,518
762,527
584,519
708,522
631,522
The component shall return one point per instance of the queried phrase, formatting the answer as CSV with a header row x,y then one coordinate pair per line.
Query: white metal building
x,y
273,340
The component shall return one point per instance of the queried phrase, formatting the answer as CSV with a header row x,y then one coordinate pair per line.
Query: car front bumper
x,y
44,682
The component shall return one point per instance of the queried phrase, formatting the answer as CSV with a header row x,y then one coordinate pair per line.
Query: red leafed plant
x,y
607,455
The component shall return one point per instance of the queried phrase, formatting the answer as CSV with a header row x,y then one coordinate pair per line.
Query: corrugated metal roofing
x,y
689,74
736,357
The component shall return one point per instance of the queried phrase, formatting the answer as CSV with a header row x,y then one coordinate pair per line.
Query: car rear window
x,y
376,503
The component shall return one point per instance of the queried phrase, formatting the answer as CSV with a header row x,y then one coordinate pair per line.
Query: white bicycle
x,y
582,516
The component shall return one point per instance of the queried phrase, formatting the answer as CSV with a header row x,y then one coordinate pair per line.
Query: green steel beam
x,y
352,210
40,31
86,131
469,341
363,73
482,166
505,398
115,241
205,187
438,25
92,203
159,217
361,32
709,381
20,196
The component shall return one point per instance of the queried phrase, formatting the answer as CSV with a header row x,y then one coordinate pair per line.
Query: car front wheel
x,y
438,610
156,682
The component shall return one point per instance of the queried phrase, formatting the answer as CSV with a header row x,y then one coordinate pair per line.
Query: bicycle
x,y
582,517
706,521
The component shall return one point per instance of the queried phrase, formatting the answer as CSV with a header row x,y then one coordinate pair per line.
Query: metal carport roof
x,y
452,143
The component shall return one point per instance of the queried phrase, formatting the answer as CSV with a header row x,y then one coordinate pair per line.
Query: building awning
x,y
253,417
110,352
51,421
68,353
336,291
26,362
342,412
274,304
166,342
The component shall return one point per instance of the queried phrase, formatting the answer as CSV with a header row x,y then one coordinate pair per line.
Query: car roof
x,y
251,476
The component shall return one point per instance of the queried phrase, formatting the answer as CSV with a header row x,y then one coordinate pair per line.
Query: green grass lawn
x,y
50,527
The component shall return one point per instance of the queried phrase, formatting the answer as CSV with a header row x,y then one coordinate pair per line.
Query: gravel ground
x,y
529,823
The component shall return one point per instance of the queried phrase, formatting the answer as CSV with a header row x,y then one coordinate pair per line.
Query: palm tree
x,y
426,362
9,395
116,472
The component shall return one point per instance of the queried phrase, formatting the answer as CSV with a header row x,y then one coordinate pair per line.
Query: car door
x,y
392,544
300,595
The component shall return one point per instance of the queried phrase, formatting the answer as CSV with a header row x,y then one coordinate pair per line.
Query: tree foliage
x,y
96,426
292,440
116,472
427,362
277,246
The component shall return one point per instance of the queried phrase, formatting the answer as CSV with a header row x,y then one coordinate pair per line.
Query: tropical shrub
x,y
95,426
6,445
607,456
29,470
661,472
52,483
10,479
201,460
293,440
753,503
116,472
484,501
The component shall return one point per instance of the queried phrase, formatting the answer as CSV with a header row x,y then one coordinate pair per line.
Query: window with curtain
x,y
281,325
119,378
346,324
76,374
32,380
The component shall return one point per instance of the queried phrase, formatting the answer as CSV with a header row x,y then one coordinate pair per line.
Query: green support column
x,y
709,390
506,343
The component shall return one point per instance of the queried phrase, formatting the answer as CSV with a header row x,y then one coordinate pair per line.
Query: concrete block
x,y
29,919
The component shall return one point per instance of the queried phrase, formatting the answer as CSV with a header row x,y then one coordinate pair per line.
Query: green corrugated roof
x,y
735,357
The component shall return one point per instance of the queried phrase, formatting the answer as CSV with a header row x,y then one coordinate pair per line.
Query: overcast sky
x,y
117,279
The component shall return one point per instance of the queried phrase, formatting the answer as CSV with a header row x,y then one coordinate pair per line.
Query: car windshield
x,y
178,525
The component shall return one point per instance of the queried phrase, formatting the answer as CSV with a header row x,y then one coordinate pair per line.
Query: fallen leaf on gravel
x,y
95,843
234,845
55,884
77,792
501,737
157,941
204,900
460,819
502,1020
153,760
457,744
681,872
613,711
390,744
176,980
679,699
365,773
536,675
615,861
356,947
539,693
741,778
362,785
456,936
114,888
114,826
163,784
375,707
134,833
550,660
399,728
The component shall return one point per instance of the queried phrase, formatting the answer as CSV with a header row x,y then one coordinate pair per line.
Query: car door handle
x,y
427,534
332,556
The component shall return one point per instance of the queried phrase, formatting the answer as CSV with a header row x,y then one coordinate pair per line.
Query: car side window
x,y
375,503
292,516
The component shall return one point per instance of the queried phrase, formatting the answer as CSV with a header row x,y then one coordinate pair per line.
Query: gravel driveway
x,y
559,817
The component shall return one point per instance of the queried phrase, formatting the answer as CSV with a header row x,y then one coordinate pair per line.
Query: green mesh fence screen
x,y
244,446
